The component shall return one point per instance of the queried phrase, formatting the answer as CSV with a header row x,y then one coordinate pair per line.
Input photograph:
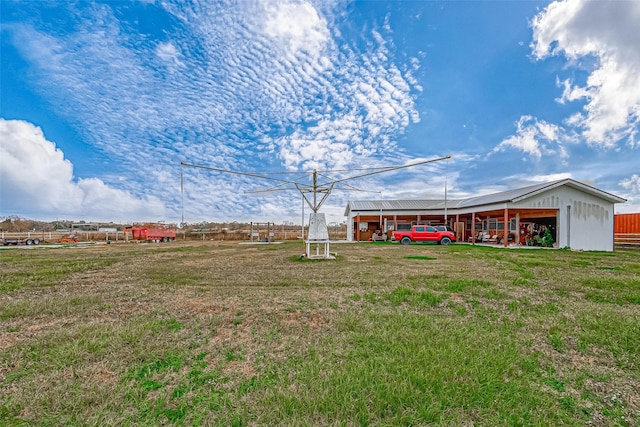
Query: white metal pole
x,y
381,231
445,192
182,197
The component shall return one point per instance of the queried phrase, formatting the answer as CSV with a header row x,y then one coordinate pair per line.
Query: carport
x,y
577,216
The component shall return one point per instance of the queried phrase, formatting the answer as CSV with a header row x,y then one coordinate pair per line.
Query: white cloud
x,y
608,32
169,53
36,178
296,25
261,85
550,177
570,92
632,184
535,137
631,192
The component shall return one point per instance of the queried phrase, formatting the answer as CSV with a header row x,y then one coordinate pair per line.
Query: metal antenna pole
x,y
319,233
315,190
182,195
382,230
445,192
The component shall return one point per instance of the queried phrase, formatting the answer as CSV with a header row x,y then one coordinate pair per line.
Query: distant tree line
x,y
15,224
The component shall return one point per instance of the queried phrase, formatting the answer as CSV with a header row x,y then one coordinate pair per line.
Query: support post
x,y
505,237
473,228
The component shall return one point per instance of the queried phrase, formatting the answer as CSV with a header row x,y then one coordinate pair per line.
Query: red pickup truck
x,y
424,233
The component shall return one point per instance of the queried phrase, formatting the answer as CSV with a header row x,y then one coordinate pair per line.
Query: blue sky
x,y
100,101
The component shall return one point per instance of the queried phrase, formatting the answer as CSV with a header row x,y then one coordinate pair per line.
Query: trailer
x,y
151,232
19,241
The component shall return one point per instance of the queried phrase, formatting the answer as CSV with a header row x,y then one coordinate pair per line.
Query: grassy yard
x,y
214,333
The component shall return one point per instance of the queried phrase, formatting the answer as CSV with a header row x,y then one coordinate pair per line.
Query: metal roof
x,y
578,186
373,205
502,197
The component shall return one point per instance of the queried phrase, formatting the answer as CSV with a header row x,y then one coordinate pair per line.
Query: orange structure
x,y
626,229
626,223
152,232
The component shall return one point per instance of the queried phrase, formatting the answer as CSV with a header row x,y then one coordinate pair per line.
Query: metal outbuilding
x,y
578,216
626,229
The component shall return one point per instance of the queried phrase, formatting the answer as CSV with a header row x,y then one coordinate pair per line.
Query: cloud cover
x,y
601,39
605,33
535,137
599,43
35,176
236,85
296,85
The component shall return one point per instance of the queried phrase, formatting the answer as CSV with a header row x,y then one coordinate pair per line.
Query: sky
x,y
101,101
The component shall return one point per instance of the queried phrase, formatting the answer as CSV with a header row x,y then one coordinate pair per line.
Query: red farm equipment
x,y
152,232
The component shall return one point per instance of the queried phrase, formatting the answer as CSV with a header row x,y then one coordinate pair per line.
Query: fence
x,y
233,235
54,236
626,230
627,239
245,235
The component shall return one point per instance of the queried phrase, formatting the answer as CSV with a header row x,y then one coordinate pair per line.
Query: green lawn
x,y
215,333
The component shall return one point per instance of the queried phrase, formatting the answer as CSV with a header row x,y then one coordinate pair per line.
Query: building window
x,y
490,224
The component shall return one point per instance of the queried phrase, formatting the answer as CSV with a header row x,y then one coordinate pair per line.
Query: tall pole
x,y
325,188
445,200
445,191
315,190
446,171
182,196
302,222
381,230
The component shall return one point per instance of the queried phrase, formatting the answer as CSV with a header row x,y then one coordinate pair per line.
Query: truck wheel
x,y
445,241
36,241
29,242
405,240
165,239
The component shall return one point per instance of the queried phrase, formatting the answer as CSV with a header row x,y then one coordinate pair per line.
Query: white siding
x,y
590,224
350,227
584,221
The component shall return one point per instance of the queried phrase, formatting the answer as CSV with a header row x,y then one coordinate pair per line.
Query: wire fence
x,y
279,234
627,240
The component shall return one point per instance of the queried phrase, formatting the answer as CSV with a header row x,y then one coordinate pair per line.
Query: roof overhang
x,y
481,203
576,185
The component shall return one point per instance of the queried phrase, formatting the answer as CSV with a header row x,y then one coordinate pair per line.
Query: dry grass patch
x,y
212,333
